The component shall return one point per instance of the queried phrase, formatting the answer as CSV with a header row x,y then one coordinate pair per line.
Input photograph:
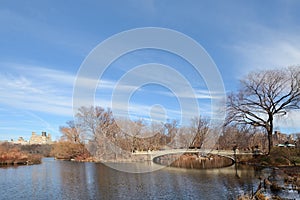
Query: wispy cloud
x,y
37,89
272,49
198,94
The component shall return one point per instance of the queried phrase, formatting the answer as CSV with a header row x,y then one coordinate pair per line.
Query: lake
x,y
54,179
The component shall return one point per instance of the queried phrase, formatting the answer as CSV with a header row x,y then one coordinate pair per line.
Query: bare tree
x,y
185,137
87,120
100,128
170,130
137,134
70,133
156,131
72,143
264,95
199,128
228,138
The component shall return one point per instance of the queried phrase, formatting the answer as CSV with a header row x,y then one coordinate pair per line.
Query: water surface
x,y
55,179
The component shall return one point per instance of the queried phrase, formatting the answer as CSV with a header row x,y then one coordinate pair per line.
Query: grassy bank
x,y
279,156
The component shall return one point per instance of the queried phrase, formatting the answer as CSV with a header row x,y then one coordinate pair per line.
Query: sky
x,y
45,43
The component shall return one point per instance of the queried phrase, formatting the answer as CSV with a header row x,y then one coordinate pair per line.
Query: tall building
x,y
40,139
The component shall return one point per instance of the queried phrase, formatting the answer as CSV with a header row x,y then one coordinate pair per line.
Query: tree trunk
x,y
270,133
270,140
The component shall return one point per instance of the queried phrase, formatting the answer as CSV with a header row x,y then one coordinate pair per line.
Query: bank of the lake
x,y
17,157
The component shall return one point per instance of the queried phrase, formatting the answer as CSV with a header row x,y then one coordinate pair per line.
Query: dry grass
x,y
11,155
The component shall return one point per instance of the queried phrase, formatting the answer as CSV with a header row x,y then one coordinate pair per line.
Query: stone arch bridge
x,y
151,155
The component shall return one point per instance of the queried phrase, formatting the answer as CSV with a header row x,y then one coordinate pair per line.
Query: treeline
x,y
95,132
244,138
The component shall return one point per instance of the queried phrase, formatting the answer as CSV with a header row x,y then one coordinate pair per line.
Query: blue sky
x,y
43,44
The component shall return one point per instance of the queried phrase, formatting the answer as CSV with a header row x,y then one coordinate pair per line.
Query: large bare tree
x,y
100,129
263,96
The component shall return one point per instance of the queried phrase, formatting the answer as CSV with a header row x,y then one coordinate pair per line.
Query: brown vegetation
x,y
279,156
12,155
40,149
96,133
106,138
70,151
194,161
244,138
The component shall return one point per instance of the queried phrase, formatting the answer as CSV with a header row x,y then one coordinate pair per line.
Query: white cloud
x,y
289,122
37,89
198,94
270,54
271,48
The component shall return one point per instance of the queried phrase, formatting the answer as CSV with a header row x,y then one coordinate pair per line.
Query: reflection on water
x,y
70,180
136,167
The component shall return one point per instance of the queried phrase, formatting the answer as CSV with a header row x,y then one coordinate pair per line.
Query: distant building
x,y
40,139
280,139
21,141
